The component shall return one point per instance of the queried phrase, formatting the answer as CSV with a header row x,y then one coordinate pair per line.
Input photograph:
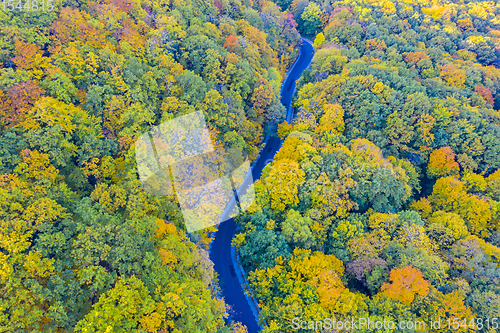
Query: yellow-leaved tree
x,y
282,183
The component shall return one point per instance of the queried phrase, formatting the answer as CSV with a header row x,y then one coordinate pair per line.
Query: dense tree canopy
x,y
83,247
396,132
382,202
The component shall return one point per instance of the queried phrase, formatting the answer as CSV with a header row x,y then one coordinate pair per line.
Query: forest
x,y
83,247
383,201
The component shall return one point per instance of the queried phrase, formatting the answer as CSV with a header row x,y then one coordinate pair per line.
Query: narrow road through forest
x,y
220,252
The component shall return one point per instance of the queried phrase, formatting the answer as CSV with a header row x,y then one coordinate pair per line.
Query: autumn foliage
x,y
485,93
442,163
415,57
230,42
452,75
390,166
396,130
406,283
16,103
465,25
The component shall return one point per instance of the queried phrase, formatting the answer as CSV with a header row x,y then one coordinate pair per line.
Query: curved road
x,y
220,252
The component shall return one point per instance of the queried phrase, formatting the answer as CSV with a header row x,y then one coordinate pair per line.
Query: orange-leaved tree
x,y
405,283
442,163
18,100
485,93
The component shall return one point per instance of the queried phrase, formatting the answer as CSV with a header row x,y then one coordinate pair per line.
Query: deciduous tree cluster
x,y
395,147
83,247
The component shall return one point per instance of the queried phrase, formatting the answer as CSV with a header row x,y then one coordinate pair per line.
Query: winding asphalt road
x,y
220,252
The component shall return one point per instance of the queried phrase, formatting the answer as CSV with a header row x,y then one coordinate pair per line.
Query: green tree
x,y
311,18
126,307
297,230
